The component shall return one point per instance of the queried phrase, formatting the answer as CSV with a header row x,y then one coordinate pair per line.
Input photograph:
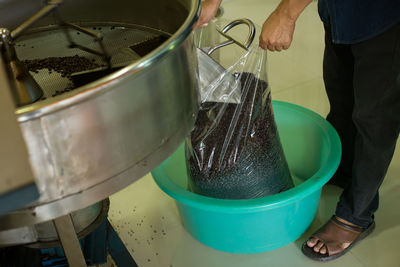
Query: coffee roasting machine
x,y
94,94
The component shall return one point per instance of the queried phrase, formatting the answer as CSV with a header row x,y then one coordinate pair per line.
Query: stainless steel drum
x,y
86,144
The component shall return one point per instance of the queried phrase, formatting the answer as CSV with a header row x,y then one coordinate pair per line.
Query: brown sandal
x,y
334,234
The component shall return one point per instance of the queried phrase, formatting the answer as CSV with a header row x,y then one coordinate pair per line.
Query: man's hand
x,y
208,10
277,31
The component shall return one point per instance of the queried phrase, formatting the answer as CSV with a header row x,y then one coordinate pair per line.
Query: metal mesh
x,y
120,42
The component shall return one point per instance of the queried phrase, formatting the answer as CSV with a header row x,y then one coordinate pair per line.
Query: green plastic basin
x,y
313,150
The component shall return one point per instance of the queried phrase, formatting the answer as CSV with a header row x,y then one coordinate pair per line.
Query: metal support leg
x,y
117,249
69,240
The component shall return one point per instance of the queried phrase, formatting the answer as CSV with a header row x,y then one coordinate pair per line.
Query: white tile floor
x,y
148,222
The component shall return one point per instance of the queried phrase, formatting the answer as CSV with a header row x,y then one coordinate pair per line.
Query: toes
x,y
318,246
323,250
312,242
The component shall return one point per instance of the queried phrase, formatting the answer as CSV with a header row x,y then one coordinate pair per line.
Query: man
x,y
362,80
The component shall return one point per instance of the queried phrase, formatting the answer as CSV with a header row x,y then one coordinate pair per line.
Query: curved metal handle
x,y
246,45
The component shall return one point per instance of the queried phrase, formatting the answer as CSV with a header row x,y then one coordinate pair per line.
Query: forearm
x,y
215,3
277,31
290,8
208,10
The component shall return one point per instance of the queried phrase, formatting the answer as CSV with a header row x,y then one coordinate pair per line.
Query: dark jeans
x,y
363,85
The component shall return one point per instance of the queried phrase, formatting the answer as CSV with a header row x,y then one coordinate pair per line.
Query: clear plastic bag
x,y
234,150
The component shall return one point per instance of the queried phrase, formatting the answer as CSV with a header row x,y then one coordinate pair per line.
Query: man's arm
x,y
277,31
208,10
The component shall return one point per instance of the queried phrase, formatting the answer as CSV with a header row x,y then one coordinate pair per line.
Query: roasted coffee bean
x,y
234,150
63,65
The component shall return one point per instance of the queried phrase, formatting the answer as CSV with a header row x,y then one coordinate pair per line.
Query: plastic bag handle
x,y
246,45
